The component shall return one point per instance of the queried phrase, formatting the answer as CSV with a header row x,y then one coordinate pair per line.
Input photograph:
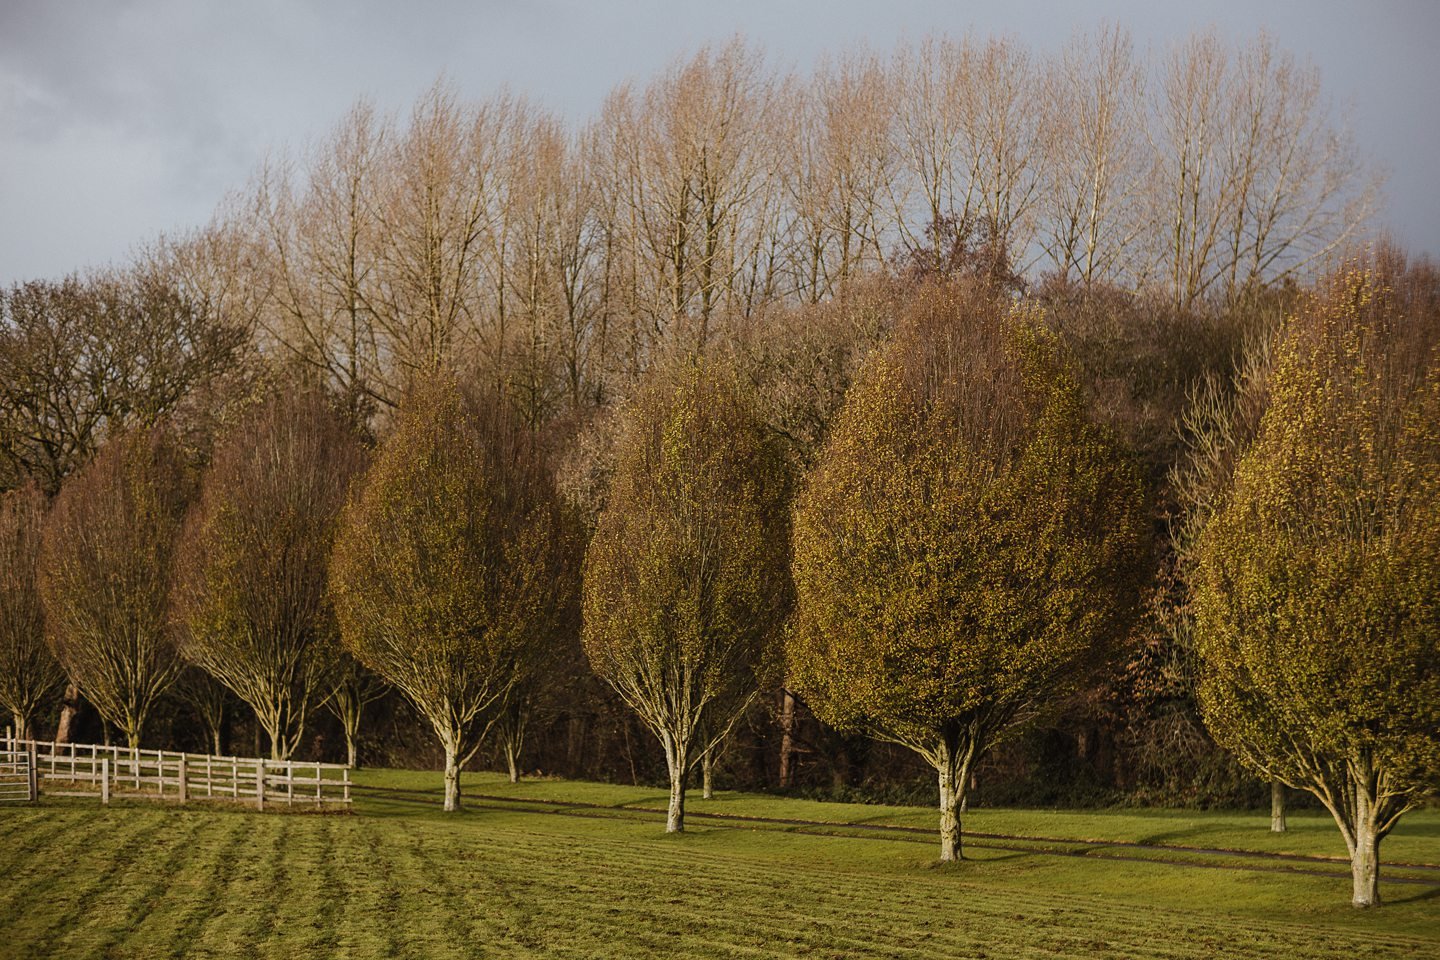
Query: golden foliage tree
x,y
1318,583
685,577
453,562
28,671
966,544
251,601
105,575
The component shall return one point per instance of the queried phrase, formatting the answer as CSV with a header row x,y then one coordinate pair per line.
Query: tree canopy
x,y
453,561
967,543
1318,581
686,585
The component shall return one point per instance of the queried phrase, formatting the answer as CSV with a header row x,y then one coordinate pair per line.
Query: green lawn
x,y
505,879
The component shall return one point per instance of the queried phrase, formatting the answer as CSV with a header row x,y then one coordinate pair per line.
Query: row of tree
x,y
563,259
411,409
967,545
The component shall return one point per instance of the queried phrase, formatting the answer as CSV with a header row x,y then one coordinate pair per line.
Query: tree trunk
x,y
950,848
951,772
787,739
70,706
1365,854
512,761
1277,807
350,755
452,778
22,727
707,775
678,763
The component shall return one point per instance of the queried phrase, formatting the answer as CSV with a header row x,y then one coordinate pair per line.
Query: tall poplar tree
x,y
105,575
250,589
28,671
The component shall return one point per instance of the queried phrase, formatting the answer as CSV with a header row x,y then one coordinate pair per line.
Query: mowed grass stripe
x,y
96,900
189,902
980,900
847,912
116,913
514,883
45,887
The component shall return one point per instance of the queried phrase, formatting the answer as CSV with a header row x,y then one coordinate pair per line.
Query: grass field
x,y
564,869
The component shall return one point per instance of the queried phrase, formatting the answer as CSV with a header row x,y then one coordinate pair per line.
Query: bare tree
x,y
1092,202
841,174
85,357
355,688
1253,183
322,250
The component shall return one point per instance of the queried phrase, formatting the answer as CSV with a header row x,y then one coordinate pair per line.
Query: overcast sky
x,y
122,119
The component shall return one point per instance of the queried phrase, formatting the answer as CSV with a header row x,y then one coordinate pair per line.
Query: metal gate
x,y
17,776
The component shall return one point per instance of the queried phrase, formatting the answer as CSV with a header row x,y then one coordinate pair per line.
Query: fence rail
x,y
87,769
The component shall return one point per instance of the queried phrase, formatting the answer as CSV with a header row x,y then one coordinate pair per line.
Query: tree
x,y
105,575
1318,582
1252,183
966,544
685,577
85,358
251,600
355,689
1218,428
452,564
28,670
209,700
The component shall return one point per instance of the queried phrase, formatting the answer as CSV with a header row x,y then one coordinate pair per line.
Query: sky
x,y
122,119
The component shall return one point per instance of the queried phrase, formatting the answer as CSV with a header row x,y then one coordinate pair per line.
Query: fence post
x,y
260,784
33,776
184,787
105,781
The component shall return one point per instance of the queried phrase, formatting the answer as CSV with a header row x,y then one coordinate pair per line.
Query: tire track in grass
x,y
260,932
479,884
430,928
149,890
64,882
219,872
375,881
303,899
244,900
332,896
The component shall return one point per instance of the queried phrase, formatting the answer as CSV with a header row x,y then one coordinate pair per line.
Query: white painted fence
x,y
87,769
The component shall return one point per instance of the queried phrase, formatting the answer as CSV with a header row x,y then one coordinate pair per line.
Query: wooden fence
x,y
87,769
